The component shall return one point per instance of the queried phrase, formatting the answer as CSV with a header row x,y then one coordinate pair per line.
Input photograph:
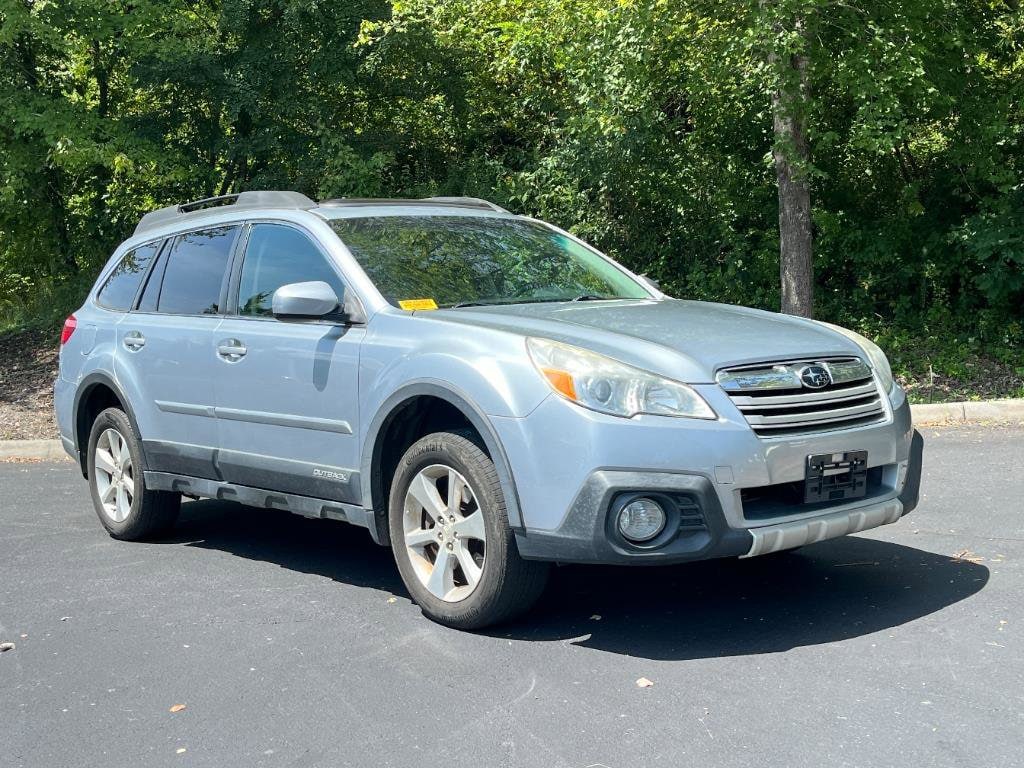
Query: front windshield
x,y
469,260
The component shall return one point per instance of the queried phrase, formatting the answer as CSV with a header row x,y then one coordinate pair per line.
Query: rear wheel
x,y
451,538
125,507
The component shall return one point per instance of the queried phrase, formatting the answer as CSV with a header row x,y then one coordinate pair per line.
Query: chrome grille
x,y
776,403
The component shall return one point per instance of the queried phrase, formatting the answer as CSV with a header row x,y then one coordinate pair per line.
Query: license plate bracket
x,y
836,477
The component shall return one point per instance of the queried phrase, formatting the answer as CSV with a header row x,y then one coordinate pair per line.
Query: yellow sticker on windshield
x,y
417,304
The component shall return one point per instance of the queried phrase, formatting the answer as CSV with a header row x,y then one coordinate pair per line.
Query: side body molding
x,y
256,417
443,391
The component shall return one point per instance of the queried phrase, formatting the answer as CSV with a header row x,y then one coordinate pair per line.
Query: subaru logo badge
x,y
814,376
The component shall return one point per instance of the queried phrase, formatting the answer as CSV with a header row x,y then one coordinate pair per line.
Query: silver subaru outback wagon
x,y
483,392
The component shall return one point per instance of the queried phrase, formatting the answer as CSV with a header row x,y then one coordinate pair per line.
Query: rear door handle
x,y
134,341
231,350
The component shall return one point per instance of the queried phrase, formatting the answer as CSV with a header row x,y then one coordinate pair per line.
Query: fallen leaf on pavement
x,y
177,708
392,599
967,556
643,682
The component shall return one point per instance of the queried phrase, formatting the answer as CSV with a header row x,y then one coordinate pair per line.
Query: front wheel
x,y
451,538
127,509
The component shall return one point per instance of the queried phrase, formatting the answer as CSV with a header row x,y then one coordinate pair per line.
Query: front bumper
x,y
775,538
588,460
588,533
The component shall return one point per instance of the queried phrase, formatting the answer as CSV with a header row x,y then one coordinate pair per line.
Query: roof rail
x,y
469,202
241,200
462,202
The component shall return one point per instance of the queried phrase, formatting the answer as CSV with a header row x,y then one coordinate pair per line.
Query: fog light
x,y
641,520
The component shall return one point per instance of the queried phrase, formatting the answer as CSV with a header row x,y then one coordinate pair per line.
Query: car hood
x,y
685,340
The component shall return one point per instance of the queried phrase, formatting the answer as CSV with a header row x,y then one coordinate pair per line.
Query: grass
x,y
46,308
945,366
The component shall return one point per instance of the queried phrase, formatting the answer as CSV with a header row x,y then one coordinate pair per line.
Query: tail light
x,y
69,327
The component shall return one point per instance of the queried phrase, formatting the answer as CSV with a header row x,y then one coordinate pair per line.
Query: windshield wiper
x,y
525,300
459,304
592,297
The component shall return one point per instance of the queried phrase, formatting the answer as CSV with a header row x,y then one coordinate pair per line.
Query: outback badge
x,y
326,474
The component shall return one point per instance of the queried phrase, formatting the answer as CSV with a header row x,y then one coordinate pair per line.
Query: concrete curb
x,y
924,415
970,412
32,449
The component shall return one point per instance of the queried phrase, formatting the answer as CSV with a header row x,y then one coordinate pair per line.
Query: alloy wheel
x,y
114,475
445,535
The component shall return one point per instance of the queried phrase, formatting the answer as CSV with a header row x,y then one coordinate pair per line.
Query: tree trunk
x,y
67,264
792,156
102,77
51,180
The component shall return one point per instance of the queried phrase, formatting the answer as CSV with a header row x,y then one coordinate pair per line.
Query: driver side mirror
x,y
314,300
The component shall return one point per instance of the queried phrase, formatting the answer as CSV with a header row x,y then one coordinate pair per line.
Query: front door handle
x,y
133,341
231,350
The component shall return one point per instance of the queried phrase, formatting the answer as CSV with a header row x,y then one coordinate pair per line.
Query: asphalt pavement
x,y
291,642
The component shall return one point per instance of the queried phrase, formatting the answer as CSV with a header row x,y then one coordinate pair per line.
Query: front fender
x,y
490,367
443,390
484,373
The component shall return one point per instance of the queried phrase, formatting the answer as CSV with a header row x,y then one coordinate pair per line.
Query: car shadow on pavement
x,y
825,593
338,551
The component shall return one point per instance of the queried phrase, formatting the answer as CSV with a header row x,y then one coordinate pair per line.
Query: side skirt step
x,y
307,506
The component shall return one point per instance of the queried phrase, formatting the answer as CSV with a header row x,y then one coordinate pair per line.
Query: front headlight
x,y
876,357
606,385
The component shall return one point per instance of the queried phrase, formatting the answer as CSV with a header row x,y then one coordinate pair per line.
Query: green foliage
x,y
643,126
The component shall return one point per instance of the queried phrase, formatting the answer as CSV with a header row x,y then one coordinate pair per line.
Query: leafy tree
x,y
709,144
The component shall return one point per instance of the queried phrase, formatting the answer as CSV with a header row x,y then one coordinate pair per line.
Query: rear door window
x,y
119,291
195,271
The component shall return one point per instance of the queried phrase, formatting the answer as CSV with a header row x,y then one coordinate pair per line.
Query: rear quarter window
x,y
120,289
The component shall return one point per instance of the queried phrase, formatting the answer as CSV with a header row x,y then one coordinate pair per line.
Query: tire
x,y
502,585
132,516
